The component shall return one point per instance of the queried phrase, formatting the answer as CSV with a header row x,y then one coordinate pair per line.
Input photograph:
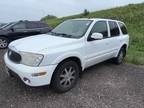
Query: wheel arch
x,y
75,56
4,36
70,58
122,46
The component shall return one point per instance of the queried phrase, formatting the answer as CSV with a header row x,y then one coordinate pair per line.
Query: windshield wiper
x,y
53,33
62,34
65,35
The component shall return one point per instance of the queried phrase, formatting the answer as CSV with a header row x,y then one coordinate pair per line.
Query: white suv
x,y
58,57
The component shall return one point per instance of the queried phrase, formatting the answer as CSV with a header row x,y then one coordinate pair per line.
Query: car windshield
x,y
1,25
72,28
7,26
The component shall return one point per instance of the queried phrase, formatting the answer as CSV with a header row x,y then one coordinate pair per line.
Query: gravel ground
x,y
102,86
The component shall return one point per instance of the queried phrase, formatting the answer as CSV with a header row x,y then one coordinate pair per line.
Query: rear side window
x,y
100,27
42,25
31,25
114,30
123,28
39,25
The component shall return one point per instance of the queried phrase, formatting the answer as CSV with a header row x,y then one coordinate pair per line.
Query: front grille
x,y
14,56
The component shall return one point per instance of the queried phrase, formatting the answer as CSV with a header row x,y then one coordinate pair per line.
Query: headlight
x,y
31,59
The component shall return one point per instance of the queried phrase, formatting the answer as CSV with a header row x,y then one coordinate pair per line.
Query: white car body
x,y
56,49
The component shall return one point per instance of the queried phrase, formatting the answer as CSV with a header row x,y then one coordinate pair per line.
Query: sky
x,y
13,10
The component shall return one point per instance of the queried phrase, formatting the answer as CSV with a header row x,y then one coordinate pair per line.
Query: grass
x,y
132,15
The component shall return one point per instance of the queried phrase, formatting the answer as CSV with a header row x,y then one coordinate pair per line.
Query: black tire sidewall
x,y
122,50
55,84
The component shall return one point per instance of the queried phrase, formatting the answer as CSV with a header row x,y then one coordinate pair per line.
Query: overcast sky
x,y
12,10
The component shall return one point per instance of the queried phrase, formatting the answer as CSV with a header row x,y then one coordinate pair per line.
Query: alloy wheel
x,y
3,43
121,56
67,77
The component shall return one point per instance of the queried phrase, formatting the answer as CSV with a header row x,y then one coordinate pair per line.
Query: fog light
x,y
39,74
26,80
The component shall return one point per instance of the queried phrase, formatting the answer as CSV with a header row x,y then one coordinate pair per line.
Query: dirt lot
x,y
102,86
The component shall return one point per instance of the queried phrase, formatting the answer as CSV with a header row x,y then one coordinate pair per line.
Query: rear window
x,y
33,25
42,25
114,30
123,28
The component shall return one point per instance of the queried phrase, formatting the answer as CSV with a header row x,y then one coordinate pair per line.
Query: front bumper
x,y
24,71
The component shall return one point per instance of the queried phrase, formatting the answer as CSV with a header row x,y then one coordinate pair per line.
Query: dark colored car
x,y
21,29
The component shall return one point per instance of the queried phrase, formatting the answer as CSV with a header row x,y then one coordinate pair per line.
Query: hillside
x,y
133,16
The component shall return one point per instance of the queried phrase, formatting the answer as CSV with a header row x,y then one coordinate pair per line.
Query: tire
x,y
121,55
11,75
3,42
65,76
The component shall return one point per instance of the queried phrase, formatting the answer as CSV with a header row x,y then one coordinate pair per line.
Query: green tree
x,y
48,17
86,12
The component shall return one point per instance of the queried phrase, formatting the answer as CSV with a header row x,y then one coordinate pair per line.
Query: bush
x,y
48,17
86,12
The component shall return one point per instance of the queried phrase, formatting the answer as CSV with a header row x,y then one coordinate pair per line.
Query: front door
x,y
98,50
19,30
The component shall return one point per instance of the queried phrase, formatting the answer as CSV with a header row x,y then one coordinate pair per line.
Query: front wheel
x,y
3,43
65,76
121,55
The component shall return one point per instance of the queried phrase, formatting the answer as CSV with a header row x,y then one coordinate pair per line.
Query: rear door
x,y
114,37
44,28
124,34
33,28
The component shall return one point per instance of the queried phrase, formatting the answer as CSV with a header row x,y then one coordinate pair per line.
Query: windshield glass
x,y
1,25
72,28
7,26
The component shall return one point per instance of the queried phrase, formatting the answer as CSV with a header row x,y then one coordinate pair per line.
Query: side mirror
x,y
97,36
12,29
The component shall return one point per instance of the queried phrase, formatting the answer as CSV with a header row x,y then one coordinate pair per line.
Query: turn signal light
x,y
39,74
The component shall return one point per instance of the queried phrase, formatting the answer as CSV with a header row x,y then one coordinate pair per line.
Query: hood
x,y
36,44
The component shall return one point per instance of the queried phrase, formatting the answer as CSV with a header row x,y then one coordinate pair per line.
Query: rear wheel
x,y
121,55
65,76
3,43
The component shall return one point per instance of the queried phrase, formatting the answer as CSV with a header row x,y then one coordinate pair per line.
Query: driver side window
x,y
100,27
19,26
